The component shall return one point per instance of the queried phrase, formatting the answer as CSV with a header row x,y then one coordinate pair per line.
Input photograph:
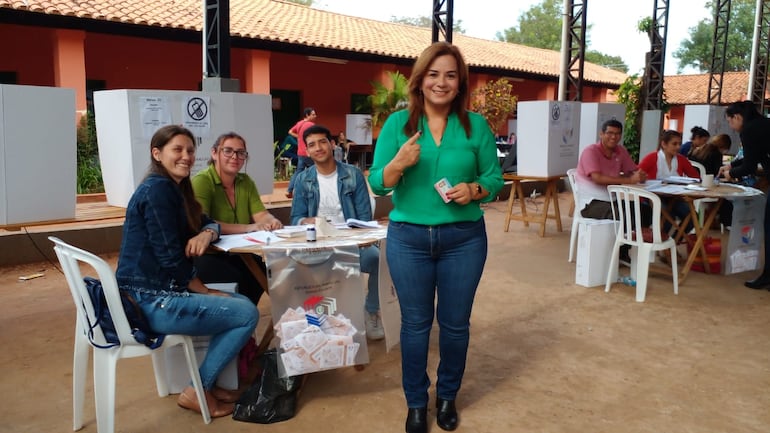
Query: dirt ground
x,y
546,355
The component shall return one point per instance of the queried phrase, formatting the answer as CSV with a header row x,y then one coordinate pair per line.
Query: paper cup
x,y
708,180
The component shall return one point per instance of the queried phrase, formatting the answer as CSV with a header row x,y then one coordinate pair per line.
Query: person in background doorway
x,y
344,142
232,199
754,130
436,247
303,161
338,191
163,231
697,139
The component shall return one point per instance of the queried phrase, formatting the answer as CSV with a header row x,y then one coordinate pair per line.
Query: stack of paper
x,y
228,242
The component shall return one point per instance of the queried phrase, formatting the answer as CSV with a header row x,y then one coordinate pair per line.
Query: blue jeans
x,y
230,321
426,262
303,162
370,264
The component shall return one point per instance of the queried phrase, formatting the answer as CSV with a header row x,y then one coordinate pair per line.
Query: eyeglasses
x,y
229,151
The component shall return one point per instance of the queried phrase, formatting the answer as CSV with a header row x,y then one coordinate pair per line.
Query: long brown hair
x,y
715,144
420,69
159,140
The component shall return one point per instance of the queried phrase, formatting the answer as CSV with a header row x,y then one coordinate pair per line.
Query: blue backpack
x,y
140,329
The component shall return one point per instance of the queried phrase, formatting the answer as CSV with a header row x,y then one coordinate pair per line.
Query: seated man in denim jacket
x,y
337,191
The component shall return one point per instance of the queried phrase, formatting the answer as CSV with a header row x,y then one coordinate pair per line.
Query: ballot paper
x,y
228,242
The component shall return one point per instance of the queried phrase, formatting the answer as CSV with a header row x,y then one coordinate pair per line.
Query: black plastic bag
x,y
270,398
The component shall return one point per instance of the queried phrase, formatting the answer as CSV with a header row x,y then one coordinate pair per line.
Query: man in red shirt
x,y
303,160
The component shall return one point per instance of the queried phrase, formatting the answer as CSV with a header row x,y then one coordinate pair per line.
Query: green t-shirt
x,y
211,195
459,159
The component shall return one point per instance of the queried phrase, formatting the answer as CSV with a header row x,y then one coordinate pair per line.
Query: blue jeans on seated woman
x,y
230,321
426,262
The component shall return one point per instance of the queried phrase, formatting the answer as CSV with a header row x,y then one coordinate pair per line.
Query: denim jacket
x,y
155,234
351,187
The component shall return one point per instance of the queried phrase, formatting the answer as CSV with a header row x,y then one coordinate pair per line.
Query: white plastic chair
x,y
105,360
627,203
701,202
576,216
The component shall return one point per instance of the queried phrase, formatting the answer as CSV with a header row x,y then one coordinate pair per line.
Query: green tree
x,y
541,26
696,51
423,21
606,60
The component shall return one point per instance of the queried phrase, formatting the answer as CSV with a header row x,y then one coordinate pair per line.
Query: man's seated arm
x,y
637,176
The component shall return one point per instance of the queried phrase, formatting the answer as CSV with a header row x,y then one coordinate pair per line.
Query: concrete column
x,y
257,74
69,63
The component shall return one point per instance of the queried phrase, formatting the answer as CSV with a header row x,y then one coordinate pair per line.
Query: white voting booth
x,y
547,137
710,117
127,119
592,117
358,128
38,180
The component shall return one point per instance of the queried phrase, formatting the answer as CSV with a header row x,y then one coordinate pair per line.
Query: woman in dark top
x,y
697,139
754,130
710,154
164,229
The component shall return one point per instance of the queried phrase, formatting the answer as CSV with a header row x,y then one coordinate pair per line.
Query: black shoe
x,y
416,420
761,282
446,418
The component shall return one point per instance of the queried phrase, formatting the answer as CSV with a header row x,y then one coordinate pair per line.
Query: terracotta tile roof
x,y
693,89
277,20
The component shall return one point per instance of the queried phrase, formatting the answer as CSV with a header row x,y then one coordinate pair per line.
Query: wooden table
x,y
550,195
719,193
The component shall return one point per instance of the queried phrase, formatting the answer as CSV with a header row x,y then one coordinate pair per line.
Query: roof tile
x,y
278,20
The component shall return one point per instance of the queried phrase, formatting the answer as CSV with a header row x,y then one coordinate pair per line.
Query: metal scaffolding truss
x,y
442,20
761,57
216,38
718,51
576,41
653,77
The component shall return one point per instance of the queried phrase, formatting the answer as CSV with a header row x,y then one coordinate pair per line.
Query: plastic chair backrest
x,y
700,167
627,203
573,184
70,258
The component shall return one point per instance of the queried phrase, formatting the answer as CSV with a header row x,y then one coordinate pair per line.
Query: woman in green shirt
x,y
437,244
231,198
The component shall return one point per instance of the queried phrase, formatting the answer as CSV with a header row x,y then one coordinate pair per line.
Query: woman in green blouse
x,y
437,245
231,198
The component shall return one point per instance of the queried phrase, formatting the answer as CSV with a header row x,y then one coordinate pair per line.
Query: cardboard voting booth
x,y
127,119
547,137
595,240
593,115
358,128
37,124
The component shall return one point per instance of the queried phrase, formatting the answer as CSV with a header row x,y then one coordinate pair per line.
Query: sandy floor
x,y
546,356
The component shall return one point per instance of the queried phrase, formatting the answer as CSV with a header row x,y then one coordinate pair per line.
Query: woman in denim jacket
x,y
164,229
